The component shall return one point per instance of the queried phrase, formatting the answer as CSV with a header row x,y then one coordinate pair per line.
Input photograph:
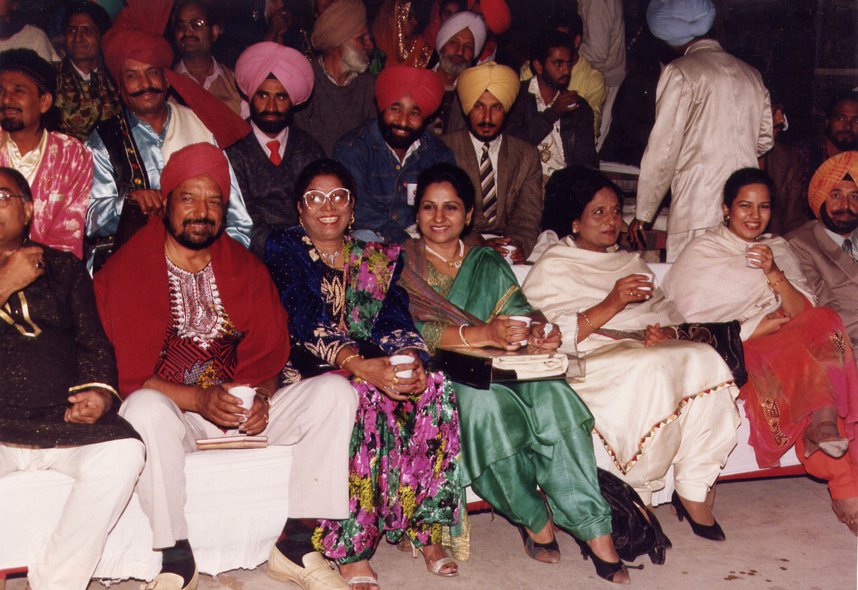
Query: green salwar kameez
x,y
515,437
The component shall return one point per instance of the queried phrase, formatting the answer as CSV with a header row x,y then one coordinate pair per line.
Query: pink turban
x,y
832,171
195,160
137,33
424,86
291,69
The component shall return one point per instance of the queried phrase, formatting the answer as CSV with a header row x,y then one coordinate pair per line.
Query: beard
x,y
843,140
193,241
270,126
356,61
452,67
839,226
484,131
558,84
398,142
11,125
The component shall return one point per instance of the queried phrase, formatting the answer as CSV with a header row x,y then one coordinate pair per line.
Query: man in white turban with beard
x,y
459,41
344,88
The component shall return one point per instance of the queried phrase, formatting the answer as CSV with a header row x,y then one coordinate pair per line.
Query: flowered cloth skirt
x,y
806,365
403,472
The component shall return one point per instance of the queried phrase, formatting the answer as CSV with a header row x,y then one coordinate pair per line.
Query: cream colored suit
x,y
713,116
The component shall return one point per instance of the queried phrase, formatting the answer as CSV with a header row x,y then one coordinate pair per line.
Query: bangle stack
x,y
462,335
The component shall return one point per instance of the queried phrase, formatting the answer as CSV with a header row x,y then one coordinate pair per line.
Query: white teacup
x,y
527,321
245,394
402,359
650,277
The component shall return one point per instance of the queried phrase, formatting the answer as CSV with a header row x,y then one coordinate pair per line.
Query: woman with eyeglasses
x,y
347,313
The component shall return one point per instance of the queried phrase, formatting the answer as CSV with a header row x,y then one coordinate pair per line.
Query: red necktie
x,y
274,148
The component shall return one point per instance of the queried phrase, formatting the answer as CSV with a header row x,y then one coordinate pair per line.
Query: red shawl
x,y
134,304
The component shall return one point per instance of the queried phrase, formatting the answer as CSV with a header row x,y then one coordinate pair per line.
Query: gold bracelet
x,y
586,319
266,397
348,358
462,335
780,280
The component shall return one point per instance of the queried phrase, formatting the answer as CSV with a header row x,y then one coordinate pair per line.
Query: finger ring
x,y
395,379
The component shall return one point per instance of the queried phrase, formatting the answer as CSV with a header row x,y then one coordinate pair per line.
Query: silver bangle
x,y
462,335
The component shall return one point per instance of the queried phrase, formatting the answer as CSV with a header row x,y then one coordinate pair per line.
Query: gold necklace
x,y
456,263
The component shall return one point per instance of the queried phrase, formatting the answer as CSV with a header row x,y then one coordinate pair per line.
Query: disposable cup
x,y
245,394
402,359
650,277
526,320
752,259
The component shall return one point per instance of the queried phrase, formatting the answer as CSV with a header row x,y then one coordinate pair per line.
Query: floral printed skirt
x,y
403,472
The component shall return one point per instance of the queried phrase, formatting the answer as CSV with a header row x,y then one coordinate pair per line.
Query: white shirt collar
x,y
839,239
411,149
86,76
217,72
264,139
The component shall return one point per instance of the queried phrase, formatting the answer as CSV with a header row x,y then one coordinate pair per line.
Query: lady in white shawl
x,y
657,401
802,377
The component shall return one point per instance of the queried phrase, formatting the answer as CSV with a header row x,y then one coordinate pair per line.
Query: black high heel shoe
x,y
607,570
542,552
712,532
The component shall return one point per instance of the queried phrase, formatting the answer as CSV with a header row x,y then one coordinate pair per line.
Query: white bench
x,y
236,507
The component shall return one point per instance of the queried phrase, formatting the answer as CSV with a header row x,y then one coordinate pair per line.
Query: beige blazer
x,y
519,183
831,273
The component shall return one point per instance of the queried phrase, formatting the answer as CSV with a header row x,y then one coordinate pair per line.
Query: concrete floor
x,y
781,535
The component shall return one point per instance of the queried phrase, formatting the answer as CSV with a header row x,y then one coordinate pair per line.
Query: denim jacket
x,y
381,203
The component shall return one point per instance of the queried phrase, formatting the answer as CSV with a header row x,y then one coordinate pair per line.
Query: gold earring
x,y
726,218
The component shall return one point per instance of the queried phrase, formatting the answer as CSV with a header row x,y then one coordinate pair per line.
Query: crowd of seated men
x,y
317,216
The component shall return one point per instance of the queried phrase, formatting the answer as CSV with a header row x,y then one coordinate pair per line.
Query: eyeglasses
x,y
338,197
6,197
195,24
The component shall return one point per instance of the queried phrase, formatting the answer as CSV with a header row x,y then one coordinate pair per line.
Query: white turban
x,y
677,22
459,22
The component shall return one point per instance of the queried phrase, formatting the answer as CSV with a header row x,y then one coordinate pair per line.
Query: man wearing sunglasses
x,y
275,79
196,27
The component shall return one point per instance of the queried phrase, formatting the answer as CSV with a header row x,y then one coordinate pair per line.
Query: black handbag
x,y
636,530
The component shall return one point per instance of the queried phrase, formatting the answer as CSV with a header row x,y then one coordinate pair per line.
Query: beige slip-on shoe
x,y
317,574
171,582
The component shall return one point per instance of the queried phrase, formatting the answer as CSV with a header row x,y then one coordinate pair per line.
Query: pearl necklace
x,y
451,263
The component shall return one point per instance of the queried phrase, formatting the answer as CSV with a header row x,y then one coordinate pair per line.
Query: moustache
x,y
486,125
401,128
845,212
188,222
271,114
186,37
150,89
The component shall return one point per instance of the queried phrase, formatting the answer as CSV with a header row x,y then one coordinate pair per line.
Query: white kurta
x,y
672,403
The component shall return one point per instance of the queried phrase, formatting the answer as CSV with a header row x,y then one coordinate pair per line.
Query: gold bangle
x,y
348,358
266,397
780,280
586,319
462,335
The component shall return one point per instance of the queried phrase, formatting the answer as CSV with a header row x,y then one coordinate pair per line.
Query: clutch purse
x,y
480,367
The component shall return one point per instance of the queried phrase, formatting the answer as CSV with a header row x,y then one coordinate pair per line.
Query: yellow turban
x,y
500,80
832,171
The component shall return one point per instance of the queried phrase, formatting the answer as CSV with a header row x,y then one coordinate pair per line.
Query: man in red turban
x,y
130,149
191,315
386,155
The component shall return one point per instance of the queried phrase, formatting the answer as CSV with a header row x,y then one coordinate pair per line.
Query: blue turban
x,y
677,22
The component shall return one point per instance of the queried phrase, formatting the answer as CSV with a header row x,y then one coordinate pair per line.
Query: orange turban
x,y
424,86
832,171
195,160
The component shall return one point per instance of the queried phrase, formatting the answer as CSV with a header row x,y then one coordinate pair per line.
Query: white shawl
x,y
711,282
567,279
